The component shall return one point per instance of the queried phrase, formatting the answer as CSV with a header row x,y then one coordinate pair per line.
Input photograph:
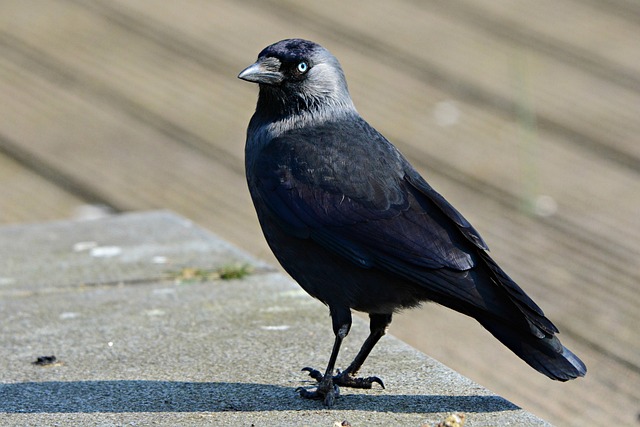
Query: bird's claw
x,y
314,373
328,388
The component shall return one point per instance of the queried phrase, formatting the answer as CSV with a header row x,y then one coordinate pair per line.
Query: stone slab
x,y
134,345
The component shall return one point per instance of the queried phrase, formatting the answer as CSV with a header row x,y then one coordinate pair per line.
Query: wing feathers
x,y
378,211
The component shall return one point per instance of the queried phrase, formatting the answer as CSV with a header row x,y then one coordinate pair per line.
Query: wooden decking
x,y
524,114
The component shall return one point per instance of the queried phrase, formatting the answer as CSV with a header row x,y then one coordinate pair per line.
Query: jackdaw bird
x,y
358,228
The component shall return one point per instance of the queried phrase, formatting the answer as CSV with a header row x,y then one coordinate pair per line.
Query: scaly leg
x,y
378,324
326,390
328,383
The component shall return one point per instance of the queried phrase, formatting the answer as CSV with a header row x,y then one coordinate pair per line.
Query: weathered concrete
x,y
135,346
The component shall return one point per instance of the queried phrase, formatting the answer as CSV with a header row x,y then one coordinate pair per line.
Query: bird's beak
x,y
265,71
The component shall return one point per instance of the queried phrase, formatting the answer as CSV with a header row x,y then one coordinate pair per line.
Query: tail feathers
x,y
538,323
546,355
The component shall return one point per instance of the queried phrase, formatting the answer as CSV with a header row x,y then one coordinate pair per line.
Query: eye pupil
x,y
302,67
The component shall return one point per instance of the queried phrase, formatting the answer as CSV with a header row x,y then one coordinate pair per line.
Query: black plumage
x,y
358,228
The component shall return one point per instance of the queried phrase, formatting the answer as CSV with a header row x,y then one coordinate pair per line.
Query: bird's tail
x,y
546,355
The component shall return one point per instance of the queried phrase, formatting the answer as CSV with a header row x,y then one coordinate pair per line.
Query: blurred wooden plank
x,y
134,166
134,74
28,197
576,32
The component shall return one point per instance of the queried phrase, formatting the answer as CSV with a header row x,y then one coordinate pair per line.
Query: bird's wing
x,y
361,200
366,203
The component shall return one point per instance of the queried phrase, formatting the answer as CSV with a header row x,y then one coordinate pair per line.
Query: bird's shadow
x,y
121,396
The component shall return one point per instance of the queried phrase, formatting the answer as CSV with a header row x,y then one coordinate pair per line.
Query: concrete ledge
x,y
139,340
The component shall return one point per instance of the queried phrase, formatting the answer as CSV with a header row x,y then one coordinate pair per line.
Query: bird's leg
x,y
328,383
326,389
378,327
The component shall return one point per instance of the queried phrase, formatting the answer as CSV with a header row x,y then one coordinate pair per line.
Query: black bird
x,y
358,228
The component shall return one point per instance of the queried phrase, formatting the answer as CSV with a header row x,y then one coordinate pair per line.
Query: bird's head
x,y
298,75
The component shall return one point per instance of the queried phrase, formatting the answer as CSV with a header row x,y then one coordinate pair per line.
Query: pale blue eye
x,y
303,67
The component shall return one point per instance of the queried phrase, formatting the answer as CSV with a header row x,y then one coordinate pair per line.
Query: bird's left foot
x,y
326,391
328,388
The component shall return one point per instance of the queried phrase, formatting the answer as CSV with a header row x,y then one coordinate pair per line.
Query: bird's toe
x,y
314,373
344,379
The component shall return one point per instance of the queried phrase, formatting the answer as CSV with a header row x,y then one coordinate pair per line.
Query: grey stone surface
x,y
134,346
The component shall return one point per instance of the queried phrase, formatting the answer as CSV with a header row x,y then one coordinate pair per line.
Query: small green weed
x,y
225,272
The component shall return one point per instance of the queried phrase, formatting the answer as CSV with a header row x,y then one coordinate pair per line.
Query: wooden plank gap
x,y
43,64
81,189
559,50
